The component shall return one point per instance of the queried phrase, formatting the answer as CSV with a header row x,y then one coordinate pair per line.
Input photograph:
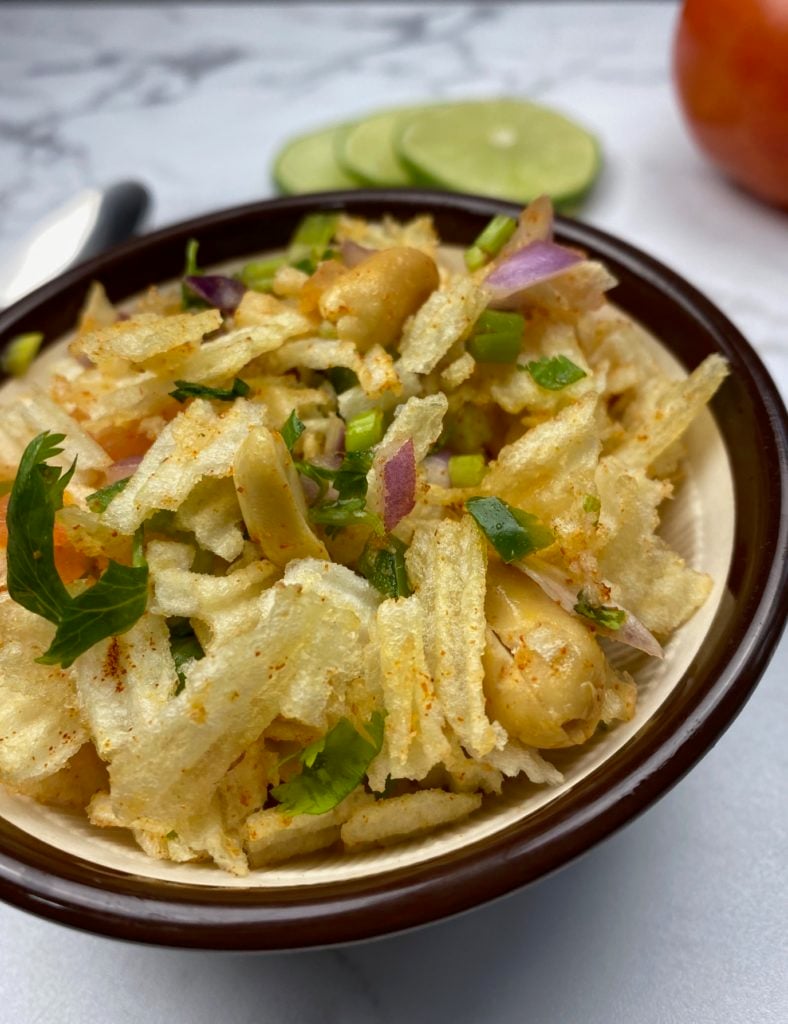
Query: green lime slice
x,y
509,149
309,164
367,149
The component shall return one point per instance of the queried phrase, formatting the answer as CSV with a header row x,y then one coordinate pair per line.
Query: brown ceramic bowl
x,y
73,882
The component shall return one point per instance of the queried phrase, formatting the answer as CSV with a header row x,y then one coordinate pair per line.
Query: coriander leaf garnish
x,y
602,615
291,431
36,495
187,389
383,564
333,767
345,512
556,373
184,647
108,608
350,483
511,531
99,500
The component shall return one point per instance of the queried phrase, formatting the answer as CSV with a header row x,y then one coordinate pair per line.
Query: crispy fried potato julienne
x,y
262,634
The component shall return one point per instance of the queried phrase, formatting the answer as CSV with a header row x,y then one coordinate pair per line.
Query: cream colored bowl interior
x,y
699,523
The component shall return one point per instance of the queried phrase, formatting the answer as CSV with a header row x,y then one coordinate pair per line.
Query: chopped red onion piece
x,y
123,468
399,485
534,263
225,293
353,253
564,592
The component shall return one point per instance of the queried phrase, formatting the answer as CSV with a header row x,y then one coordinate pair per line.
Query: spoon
x,y
93,220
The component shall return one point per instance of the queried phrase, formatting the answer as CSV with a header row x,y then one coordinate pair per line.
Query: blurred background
x,y
682,916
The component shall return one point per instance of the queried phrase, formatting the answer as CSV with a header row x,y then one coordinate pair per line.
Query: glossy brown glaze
x,y
752,420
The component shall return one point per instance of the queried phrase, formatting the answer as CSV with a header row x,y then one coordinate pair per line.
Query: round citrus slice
x,y
509,149
367,149
309,164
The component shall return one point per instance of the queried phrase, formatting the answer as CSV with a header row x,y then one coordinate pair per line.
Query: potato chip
x,y
212,513
402,817
271,835
125,683
40,724
445,318
315,354
414,741
243,790
141,339
662,414
295,649
516,759
199,443
550,469
256,308
224,357
418,233
645,575
32,412
460,370
447,566
73,786
97,311
377,374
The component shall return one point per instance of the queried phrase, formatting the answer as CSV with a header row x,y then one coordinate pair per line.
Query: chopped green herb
x,y
99,500
602,615
593,506
172,834
497,337
554,374
291,431
333,767
188,299
466,470
345,512
311,239
185,648
108,608
383,564
513,533
364,430
20,352
185,389
490,242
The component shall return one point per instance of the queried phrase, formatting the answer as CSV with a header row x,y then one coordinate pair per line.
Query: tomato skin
x,y
731,71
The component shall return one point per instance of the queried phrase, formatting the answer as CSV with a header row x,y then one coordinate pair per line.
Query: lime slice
x,y
367,149
309,164
509,149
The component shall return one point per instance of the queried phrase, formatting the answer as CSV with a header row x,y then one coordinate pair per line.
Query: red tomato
x,y
731,69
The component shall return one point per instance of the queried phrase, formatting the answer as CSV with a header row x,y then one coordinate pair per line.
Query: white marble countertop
x,y
682,916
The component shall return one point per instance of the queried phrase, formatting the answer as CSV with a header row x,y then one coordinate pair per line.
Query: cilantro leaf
x,y
33,580
184,647
556,373
291,431
333,767
602,615
106,609
99,500
511,531
383,564
187,389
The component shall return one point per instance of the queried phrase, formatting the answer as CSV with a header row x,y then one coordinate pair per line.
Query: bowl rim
x,y
36,877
